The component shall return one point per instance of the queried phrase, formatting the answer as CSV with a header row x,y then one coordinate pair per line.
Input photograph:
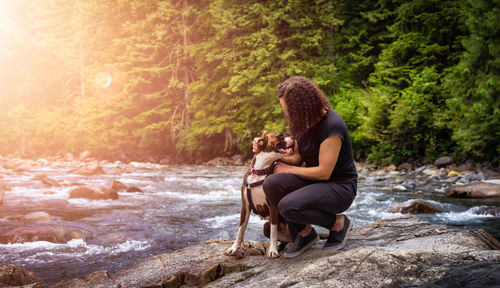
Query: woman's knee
x,y
273,189
287,208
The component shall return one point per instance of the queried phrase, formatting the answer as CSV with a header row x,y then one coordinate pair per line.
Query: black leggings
x,y
302,201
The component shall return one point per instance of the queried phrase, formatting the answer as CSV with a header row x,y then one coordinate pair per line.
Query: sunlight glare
x,y
103,79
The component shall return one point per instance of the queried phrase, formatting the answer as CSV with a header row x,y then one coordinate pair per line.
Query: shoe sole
x,y
302,250
343,242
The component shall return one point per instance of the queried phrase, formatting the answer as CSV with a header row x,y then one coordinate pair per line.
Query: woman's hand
x,y
283,168
255,147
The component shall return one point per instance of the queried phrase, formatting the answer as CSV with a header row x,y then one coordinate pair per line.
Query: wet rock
x,y
84,156
395,252
390,168
37,217
420,169
489,174
399,188
39,233
46,180
89,170
417,206
474,190
93,193
493,211
482,274
68,157
99,279
405,166
219,161
2,190
443,161
118,186
133,189
12,276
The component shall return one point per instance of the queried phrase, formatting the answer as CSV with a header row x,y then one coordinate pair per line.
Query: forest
x,y
190,80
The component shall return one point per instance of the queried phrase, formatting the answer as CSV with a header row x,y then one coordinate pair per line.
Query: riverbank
x,y
60,212
395,252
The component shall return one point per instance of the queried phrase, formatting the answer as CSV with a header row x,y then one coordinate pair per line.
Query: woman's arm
x,y
328,154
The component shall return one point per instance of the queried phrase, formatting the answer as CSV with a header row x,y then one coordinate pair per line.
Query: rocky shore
x,y
397,252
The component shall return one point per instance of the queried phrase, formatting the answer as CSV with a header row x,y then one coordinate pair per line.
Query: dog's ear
x,y
262,143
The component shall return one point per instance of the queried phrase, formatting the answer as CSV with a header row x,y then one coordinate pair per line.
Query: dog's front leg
x,y
244,217
273,245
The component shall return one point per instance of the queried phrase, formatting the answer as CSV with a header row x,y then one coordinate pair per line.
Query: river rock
x,y
46,180
219,161
493,211
37,217
443,161
39,233
399,188
89,170
2,190
118,186
93,193
133,189
84,155
396,252
12,276
478,189
417,206
405,166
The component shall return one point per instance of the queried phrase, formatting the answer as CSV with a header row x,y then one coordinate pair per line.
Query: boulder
x,y
12,276
99,279
417,206
219,161
2,190
46,180
493,211
89,170
405,166
118,186
93,193
478,189
37,217
443,161
68,157
133,189
398,252
84,155
39,233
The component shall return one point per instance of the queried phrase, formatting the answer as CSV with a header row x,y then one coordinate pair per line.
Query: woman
x,y
326,186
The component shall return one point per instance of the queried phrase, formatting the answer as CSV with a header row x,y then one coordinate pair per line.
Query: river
x,y
180,206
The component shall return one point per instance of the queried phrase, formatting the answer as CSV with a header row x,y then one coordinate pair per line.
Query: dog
x,y
271,148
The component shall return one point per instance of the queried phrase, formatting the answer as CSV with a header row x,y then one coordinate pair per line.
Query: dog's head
x,y
276,143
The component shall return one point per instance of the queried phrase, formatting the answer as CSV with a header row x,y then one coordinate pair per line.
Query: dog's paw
x,y
231,251
272,253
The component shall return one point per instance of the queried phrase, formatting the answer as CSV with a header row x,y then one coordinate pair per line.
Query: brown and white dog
x,y
271,148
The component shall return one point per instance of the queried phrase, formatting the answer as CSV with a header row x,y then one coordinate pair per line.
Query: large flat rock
x,y
388,253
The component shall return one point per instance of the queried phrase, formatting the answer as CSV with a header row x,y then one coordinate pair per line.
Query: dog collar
x,y
269,170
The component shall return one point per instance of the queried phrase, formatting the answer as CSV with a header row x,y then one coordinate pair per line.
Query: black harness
x,y
267,171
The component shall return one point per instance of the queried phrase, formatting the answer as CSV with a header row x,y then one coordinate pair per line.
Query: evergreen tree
x,y
474,83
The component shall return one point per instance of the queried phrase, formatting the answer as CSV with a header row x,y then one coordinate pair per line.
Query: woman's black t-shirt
x,y
309,143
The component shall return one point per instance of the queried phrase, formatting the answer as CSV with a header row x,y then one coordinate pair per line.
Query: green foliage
x,y
475,83
412,79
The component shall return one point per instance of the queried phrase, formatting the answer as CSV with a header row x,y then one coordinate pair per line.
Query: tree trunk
x,y
186,75
230,142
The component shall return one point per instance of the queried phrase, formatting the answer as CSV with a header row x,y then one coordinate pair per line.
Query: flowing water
x,y
180,206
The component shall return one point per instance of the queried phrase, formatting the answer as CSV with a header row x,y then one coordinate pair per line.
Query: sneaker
x,y
301,244
336,239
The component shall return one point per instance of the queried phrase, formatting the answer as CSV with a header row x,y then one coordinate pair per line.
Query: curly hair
x,y
306,104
